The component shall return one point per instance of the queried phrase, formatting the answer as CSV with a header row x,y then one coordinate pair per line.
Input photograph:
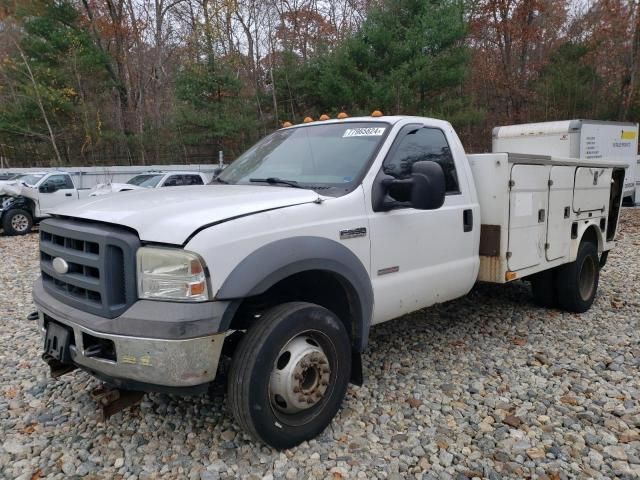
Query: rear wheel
x,y
17,222
289,374
577,282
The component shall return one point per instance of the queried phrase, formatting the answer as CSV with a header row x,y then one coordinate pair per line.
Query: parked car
x,y
151,180
276,272
8,176
29,198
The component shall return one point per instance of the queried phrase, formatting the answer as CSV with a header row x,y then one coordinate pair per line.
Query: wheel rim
x,y
586,279
301,375
20,222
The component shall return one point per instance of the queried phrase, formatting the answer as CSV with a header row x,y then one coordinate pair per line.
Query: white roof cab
x,y
286,260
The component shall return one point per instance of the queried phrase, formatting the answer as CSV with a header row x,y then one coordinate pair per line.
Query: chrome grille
x,y
100,261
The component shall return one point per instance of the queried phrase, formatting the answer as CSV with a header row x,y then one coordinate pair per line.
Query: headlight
x,y
171,274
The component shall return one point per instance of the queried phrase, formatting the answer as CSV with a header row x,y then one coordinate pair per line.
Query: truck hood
x,y
171,215
12,188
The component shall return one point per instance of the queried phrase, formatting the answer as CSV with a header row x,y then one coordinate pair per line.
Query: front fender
x,y
12,203
280,259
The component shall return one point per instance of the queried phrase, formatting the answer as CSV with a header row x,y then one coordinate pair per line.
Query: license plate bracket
x,y
57,341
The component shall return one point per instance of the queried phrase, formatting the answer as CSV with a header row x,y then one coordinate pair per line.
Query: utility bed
x,y
533,206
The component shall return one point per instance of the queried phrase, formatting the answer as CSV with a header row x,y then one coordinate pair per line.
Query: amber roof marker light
x,y
377,113
287,124
324,117
342,116
308,120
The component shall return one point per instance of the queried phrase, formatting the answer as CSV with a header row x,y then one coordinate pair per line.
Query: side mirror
x,y
217,172
429,186
46,188
425,189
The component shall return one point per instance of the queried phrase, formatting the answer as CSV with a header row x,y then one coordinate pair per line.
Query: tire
x,y
17,222
577,282
543,287
279,389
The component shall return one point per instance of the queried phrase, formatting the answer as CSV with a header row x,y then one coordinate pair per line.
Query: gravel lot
x,y
486,386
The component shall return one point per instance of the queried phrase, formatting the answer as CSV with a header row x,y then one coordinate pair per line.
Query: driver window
x,y
193,180
422,144
173,181
58,182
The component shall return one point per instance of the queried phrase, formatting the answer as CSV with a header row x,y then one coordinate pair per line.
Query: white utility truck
x,y
273,275
28,198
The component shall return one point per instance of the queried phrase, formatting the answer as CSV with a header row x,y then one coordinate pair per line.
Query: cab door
x,y
422,257
55,190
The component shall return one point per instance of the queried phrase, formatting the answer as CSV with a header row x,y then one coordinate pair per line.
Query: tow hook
x,y
112,400
56,367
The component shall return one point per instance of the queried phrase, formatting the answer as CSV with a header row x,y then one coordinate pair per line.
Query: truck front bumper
x,y
134,360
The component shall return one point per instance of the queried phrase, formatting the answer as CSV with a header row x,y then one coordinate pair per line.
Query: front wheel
x,y
289,374
17,222
577,282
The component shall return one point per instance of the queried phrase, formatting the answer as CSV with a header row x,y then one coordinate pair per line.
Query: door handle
x,y
467,220
541,215
67,194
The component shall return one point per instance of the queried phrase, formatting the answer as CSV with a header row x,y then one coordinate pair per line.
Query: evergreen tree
x,y
42,100
408,57
211,109
569,85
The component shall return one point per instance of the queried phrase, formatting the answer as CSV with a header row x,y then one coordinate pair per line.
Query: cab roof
x,y
387,119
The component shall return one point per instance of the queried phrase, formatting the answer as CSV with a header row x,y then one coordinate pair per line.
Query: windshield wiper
x,y
276,181
219,180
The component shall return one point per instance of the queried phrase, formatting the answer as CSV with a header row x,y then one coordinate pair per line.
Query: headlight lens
x,y
171,274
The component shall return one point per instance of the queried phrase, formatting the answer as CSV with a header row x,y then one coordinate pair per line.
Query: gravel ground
x,y
486,386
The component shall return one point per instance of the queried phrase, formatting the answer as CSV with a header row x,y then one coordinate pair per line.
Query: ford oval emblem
x,y
60,265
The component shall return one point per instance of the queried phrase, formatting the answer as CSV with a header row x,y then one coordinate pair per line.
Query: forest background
x,y
135,82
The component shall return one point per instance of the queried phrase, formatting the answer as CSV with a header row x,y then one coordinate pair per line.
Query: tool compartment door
x,y
591,190
559,218
527,215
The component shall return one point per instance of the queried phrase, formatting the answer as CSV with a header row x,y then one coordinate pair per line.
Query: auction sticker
x,y
364,132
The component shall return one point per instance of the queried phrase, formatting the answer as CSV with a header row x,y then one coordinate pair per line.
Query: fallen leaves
x,y
29,429
569,400
512,421
10,393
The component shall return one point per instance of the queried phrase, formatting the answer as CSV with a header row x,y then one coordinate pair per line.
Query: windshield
x,y
30,179
147,181
315,156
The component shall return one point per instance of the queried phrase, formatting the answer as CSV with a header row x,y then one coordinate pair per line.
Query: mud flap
x,y
112,400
